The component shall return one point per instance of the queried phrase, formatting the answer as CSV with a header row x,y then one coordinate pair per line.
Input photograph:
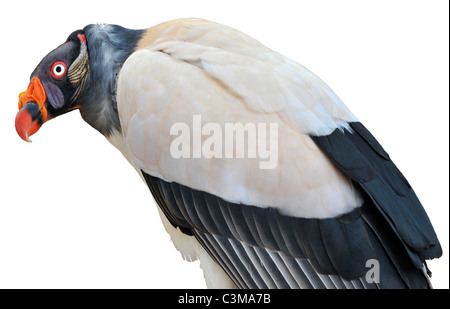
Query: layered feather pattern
x,y
261,248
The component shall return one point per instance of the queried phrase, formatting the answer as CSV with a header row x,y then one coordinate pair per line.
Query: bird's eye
x,y
58,69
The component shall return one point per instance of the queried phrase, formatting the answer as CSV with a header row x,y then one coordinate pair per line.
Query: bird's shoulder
x,y
262,80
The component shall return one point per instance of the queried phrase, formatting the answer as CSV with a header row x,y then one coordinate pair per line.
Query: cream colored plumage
x,y
304,182
178,58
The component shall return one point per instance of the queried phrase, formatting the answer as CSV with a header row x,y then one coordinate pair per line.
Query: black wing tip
x,y
338,247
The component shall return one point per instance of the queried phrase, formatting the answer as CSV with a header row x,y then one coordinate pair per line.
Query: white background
x,y
74,214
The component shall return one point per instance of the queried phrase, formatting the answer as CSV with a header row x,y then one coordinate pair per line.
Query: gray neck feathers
x,y
109,46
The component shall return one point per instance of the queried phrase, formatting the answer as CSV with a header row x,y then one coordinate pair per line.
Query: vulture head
x,y
55,86
79,74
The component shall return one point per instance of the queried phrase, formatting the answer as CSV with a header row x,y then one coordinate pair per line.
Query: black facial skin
x,y
59,90
107,48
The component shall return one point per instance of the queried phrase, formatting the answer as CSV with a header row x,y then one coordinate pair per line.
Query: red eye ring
x,y
58,69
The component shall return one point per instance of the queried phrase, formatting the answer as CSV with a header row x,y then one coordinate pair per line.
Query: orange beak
x,y
32,111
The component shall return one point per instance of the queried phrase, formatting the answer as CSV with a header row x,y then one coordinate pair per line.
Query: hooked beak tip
x,y
26,138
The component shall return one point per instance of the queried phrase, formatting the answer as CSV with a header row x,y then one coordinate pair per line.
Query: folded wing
x,y
334,201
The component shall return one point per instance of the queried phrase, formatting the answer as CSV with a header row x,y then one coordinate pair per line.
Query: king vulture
x,y
298,195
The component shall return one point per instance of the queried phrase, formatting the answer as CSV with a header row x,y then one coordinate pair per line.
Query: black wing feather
x,y
262,248
359,156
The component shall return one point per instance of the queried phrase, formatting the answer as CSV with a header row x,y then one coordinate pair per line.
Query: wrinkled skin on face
x,y
55,85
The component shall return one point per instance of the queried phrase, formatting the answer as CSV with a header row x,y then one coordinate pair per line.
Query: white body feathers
x,y
201,73
195,67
